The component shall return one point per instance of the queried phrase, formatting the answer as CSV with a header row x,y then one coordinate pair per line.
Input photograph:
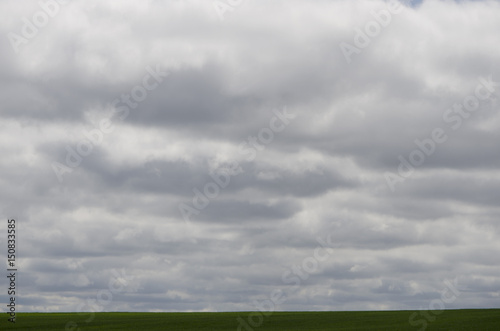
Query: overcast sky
x,y
201,156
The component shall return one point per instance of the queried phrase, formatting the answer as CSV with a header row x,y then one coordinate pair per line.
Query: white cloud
x,y
322,175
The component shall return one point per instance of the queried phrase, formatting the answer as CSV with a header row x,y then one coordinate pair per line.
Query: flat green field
x,y
467,319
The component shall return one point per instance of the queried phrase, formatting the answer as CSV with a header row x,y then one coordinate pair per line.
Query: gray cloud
x,y
318,181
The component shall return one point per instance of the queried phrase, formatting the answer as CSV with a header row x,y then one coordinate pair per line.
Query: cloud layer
x,y
115,114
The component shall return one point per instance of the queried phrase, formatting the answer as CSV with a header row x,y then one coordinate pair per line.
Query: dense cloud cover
x,y
196,156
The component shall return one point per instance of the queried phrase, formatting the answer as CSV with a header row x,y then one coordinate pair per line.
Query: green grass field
x,y
469,319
